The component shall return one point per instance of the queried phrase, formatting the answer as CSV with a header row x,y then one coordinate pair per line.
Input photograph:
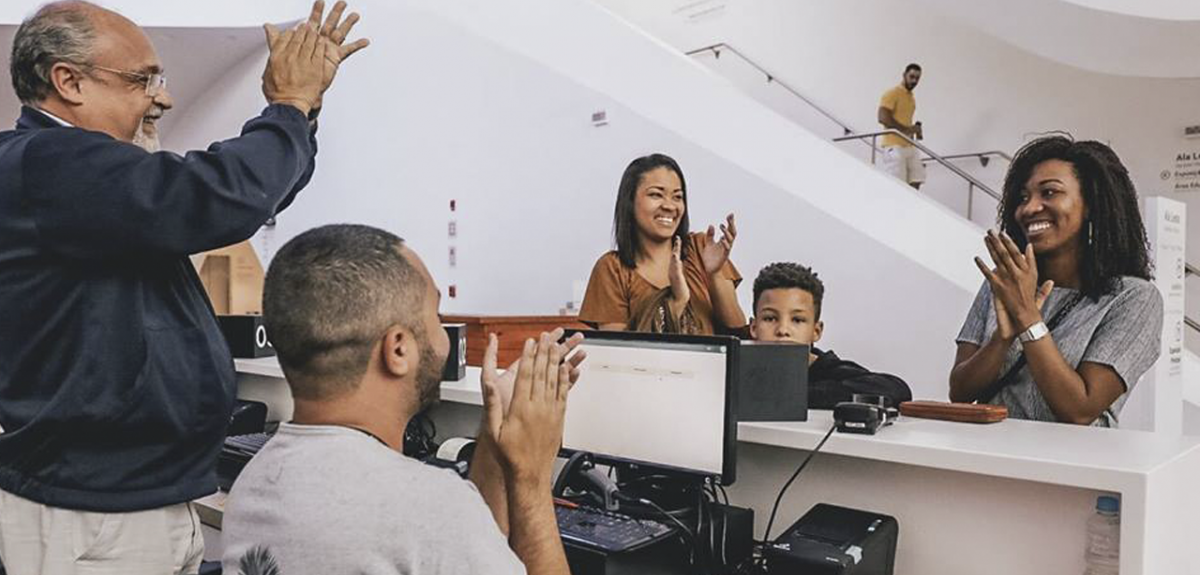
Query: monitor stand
x,y
621,487
678,494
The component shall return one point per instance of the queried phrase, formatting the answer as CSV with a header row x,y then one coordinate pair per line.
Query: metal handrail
x,y
972,183
984,157
849,133
771,78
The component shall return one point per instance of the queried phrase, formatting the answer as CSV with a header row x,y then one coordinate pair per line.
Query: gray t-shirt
x,y
1122,330
326,499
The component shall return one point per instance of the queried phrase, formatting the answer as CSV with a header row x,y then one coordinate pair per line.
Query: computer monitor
x,y
657,400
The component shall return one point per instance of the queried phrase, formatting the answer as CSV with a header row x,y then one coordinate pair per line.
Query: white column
x,y
1157,401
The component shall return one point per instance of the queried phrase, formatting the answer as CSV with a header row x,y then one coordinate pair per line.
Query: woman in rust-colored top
x,y
662,278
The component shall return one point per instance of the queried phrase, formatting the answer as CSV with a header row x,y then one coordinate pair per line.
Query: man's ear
x,y
818,328
398,354
753,327
67,82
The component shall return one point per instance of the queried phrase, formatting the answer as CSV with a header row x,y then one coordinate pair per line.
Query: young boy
x,y
787,307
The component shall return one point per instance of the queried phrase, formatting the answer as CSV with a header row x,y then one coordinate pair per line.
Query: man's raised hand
x,y
528,431
304,60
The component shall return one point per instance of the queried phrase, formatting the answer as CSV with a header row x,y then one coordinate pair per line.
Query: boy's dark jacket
x,y
832,379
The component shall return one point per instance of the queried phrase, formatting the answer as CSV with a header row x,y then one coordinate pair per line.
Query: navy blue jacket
x,y
115,382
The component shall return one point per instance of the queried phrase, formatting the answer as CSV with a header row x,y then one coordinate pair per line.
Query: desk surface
x,y
1154,473
1089,457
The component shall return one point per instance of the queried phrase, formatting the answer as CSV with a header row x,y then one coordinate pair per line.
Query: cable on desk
x,y
690,536
803,464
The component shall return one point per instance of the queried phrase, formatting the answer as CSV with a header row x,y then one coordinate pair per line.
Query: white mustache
x,y
148,142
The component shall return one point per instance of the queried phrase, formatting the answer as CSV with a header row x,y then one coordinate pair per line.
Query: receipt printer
x,y
865,414
832,540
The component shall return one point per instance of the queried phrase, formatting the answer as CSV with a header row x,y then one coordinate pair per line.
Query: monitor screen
x,y
657,400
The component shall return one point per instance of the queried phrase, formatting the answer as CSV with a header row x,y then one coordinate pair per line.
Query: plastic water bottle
x,y
1103,553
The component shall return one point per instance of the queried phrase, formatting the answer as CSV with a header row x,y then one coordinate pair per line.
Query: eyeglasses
x,y
155,83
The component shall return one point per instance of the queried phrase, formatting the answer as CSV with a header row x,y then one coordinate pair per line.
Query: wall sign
x,y
1184,175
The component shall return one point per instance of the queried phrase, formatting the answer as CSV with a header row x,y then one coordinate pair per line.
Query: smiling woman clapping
x,y
1066,321
662,278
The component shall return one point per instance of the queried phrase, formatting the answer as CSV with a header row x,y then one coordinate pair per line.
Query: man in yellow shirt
x,y
896,109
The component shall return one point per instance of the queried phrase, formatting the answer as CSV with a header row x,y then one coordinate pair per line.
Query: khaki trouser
x,y
37,539
904,162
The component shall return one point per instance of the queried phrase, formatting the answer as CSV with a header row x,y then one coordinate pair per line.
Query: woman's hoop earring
x,y
1089,232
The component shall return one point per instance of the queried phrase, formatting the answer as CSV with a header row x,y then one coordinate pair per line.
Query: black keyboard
x,y
608,531
235,454
248,444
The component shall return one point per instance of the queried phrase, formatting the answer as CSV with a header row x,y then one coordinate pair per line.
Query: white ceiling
x,y
1161,9
1107,36
163,13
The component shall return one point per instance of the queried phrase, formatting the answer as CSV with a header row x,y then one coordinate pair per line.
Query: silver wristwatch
x,y
1035,332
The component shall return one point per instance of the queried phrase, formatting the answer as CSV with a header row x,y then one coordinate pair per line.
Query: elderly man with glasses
x,y
156,90
115,383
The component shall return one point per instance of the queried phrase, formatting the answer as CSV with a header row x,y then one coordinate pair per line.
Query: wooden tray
x,y
964,412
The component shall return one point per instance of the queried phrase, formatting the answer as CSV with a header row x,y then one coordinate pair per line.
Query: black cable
x,y
701,511
419,437
775,508
710,495
642,479
725,533
664,513
691,537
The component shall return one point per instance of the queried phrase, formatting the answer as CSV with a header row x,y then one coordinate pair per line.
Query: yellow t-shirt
x,y
903,105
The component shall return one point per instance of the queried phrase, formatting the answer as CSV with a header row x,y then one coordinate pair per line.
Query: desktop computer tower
x,y
728,536
666,557
832,540
456,359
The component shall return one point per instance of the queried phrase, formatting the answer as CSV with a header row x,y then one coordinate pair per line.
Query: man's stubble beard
x,y
429,375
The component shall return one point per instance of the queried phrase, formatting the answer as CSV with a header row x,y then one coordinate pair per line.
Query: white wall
x,y
977,92
490,105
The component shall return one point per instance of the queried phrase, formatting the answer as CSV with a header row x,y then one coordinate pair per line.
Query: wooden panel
x,y
233,278
512,332
215,278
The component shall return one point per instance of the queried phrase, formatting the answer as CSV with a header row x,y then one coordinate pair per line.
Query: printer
x,y
832,540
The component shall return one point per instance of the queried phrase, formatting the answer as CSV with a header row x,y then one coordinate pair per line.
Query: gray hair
x,y
58,32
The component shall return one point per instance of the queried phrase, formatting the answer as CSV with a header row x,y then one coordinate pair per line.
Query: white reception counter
x,y
1010,497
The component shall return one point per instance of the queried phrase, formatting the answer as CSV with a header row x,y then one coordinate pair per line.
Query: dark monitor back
x,y
773,384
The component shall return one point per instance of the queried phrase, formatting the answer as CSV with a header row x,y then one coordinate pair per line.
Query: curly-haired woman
x,y
1067,321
